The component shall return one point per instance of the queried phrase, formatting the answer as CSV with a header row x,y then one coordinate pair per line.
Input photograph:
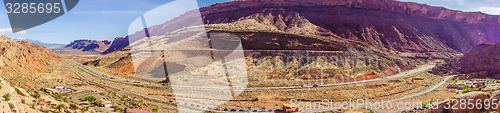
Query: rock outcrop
x,y
24,57
98,46
118,44
13,103
388,24
472,96
21,65
482,60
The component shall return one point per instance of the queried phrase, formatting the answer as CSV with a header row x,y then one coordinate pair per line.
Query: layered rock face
x,y
90,45
24,57
118,44
483,60
386,24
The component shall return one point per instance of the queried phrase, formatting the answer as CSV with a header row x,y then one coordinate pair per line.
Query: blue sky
x,y
106,19
90,19
485,6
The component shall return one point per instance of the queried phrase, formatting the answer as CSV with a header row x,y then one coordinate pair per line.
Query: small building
x,y
60,88
98,97
289,108
51,91
105,104
138,111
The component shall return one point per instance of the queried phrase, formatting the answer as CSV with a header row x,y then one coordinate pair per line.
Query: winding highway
x,y
410,72
198,107
397,99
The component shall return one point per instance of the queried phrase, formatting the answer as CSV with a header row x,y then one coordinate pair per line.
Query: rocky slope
x,y
387,24
21,65
118,44
481,61
98,46
484,57
24,57
15,96
112,62
388,29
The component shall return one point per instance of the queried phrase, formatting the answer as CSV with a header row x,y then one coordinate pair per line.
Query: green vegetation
x,y
36,95
155,109
61,106
98,102
117,109
424,104
6,97
85,109
59,97
91,99
17,91
11,106
466,89
432,101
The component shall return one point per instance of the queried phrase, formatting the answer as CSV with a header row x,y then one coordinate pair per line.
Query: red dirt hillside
x,y
482,59
24,57
388,24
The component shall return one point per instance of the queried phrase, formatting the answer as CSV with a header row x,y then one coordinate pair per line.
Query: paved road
x,y
103,76
128,91
419,69
191,107
397,99
417,94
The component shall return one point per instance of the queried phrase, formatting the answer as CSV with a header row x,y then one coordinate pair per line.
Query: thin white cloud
x,y
486,6
8,31
489,10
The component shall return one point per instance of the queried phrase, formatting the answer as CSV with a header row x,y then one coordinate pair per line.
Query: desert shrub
x,y
91,99
36,95
98,102
11,106
6,97
424,104
17,91
61,106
